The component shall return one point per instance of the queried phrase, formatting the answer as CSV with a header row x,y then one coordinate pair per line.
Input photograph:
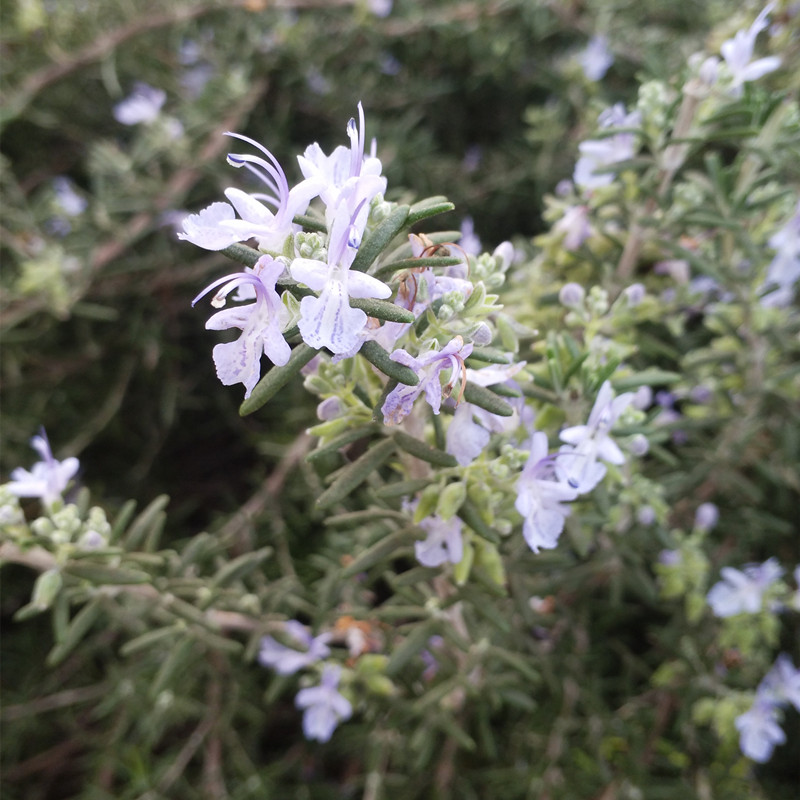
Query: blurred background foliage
x,y
482,101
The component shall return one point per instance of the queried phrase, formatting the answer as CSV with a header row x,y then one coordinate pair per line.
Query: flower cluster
x,y
323,706
347,182
759,727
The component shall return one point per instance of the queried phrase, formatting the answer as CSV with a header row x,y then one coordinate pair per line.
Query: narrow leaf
x,y
152,639
379,358
374,244
243,254
402,488
276,379
141,526
414,643
423,451
472,517
348,437
486,399
383,548
415,263
382,309
78,628
356,473
101,574
240,567
429,207
488,355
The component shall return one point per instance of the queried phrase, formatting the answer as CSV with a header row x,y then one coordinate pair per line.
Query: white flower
x,y
577,463
48,478
742,591
541,497
596,58
142,105
288,660
324,707
591,169
738,54
759,731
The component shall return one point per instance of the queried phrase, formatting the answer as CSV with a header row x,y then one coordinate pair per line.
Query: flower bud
x,y
46,588
571,295
706,517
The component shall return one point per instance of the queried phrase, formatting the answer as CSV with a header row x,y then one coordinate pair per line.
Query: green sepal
x,y
382,309
429,207
356,473
423,451
383,548
379,358
462,570
374,244
276,379
242,254
486,399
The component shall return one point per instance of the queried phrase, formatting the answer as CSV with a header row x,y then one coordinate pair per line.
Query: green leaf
x,y
647,377
152,638
382,309
276,379
243,254
101,574
487,355
240,567
374,244
144,523
385,547
429,207
356,473
470,514
310,223
348,437
486,399
402,488
379,358
423,451
413,644
78,628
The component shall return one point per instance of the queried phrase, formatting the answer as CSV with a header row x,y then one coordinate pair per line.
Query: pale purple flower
x,y
591,169
261,324
781,685
427,366
443,543
596,58
471,426
68,200
759,731
288,660
742,591
738,54
541,497
324,707
328,320
48,478
469,240
577,463
575,227
571,295
217,226
706,516
142,105
784,269
344,170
